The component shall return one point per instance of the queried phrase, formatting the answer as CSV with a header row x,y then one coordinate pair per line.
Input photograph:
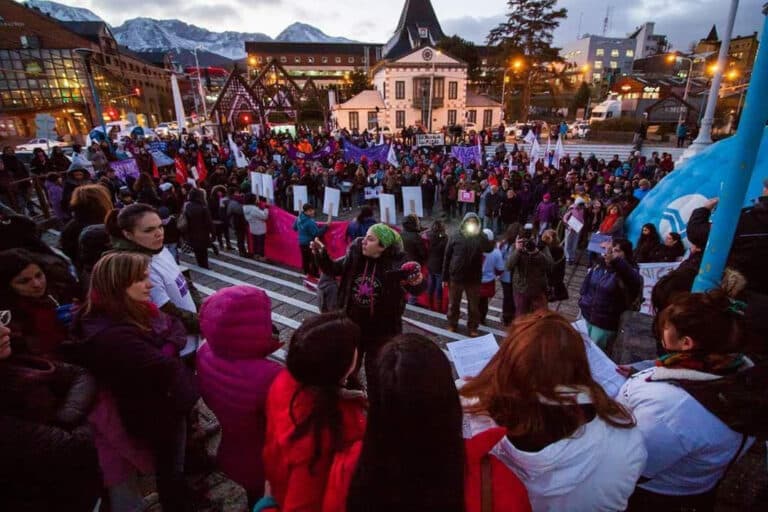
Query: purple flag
x,y
327,150
466,154
376,153
125,168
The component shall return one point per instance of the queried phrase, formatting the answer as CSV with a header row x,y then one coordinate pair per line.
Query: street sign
x,y
45,126
430,139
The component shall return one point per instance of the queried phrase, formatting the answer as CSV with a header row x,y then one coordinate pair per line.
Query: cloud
x,y
472,28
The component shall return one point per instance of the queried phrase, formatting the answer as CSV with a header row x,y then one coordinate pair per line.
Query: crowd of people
x,y
102,371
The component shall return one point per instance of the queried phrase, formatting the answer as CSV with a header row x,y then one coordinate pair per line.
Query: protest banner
x,y
412,201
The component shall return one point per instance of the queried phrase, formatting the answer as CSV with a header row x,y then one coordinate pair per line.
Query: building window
x,y
324,60
439,87
354,121
487,118
598,64
297,60
400,119
614,53
471,116
283,59
453,90
337,60
384,91
400,90
630,53
310,60
373,120
596,77
351,60
451,117
614,64
599,52
108,59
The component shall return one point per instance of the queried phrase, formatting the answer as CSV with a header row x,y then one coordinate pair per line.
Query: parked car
x,y
40,143
579,129
166,129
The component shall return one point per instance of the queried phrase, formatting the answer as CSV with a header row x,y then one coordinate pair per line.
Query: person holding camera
x,y
529,264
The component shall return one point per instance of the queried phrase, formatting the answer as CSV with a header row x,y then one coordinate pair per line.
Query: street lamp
x,y
516,65
684,111
432,89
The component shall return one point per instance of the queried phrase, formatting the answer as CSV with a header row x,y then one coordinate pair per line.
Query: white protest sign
x,y
430,139
267,187
412,201
331,202
256,186
651,273
300,197
575,224
387,208
373,192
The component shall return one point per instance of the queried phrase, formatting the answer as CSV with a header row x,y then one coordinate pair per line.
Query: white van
x,y
608,109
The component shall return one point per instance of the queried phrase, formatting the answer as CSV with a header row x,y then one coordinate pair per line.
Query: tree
x,y
527,35
581,99
358,81
464,50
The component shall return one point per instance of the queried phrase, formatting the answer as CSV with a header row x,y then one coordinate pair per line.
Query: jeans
x,y
455,291
308,264
603,338
435,289
201,255
507,304
571,243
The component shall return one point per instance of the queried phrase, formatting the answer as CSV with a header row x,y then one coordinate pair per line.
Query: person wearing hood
x,y
690,443
429,466
375,277
76,177
235,376
462,270
139,228
308,231
89,205
199,232
132,349
572,446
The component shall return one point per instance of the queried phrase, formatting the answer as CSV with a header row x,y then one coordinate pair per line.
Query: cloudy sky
x,y
683,21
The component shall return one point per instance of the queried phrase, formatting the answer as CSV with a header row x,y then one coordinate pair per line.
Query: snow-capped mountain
x,y
148,34
143,34
303,33
63,12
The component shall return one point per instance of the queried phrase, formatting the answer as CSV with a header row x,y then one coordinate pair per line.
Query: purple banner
x,y
376,153
327,150
466,154
125,168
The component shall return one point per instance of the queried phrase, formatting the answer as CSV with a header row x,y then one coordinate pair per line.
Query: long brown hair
x,y
541,354
92,201
113,274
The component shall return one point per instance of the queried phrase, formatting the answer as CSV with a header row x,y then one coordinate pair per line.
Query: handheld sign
x,y
331,202
299,197
267,187
387,208
412,201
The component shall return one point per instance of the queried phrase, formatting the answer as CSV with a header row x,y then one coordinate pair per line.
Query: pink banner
x,y
282,243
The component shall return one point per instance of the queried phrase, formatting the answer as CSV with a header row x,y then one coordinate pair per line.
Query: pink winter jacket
x,y
235,377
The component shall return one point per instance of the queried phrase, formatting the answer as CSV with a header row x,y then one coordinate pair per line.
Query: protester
x,y
671,250
427,466
572,446
235,376
462,270
508,297
131,348
610,288
556,288
689,446
308,231
236,219
375,276
257,216
613,223
546,214
576,212
438,239
138,228
89,205
493,267
529,265
49,460
648,244
199,229
312,418
359,227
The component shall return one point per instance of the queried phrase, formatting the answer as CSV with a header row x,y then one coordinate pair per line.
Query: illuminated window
x,y
614,64
337,60
599,52
324,60
614,53
598,64
351,60
283,59
630,53
354,121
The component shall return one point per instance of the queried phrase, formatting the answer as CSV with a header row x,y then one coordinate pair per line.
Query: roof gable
x,y
429,55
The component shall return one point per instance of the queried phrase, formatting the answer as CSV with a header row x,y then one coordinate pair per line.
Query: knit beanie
x,y
386,235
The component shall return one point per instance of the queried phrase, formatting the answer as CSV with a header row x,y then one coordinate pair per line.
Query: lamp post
x,y
86,54
684,111
516,65
432,90
704,138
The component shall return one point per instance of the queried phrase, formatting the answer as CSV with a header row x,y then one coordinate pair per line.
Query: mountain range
x,y
148,34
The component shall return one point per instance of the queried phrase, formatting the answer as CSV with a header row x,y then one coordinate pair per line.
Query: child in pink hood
x,y
235,376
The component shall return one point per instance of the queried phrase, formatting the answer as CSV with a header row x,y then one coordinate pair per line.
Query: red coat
x,y
509,494
286,461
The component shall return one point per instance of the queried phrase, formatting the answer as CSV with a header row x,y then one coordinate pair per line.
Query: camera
x,y
526,235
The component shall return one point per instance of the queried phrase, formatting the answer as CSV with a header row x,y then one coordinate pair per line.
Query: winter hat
x,y
547,196
488,234
386,235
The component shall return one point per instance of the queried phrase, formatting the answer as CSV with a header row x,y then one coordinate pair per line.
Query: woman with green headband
x,y
375,277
